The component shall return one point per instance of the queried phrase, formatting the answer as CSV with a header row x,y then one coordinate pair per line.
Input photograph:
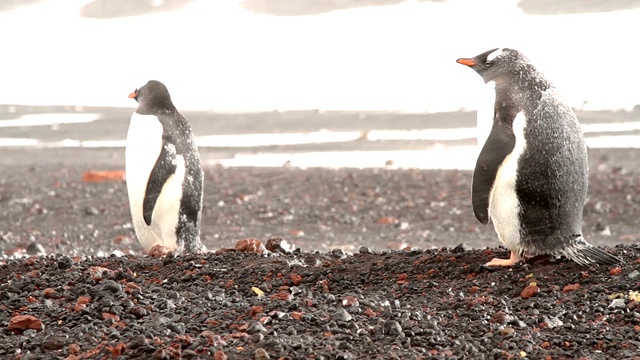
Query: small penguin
x,y
163,173
531,175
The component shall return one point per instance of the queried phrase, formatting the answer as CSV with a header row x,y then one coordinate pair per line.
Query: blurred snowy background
x,y
308,82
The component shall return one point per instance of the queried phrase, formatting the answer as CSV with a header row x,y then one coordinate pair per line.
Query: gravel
x,y
334,292
438,303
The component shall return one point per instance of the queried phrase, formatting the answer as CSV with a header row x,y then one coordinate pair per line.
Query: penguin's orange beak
x,y
464,61
133,95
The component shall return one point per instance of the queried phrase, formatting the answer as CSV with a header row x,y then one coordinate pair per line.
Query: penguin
x,y
531,175
164,175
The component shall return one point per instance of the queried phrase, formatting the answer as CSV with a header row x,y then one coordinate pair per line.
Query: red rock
x,y
279,245
174,351
50,293
220,355
130,287
615,271
296,279
571,287
255,310
239,335
93,176
34,274
283,295
387,220
430,272
185,340
251,245
81,303
474,289
106,315
296,315
229,284
470,276
74,349
20,323
118,350
529,291
368,312
118,325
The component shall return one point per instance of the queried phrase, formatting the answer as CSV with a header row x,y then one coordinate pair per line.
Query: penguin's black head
x,y
153,95
495,63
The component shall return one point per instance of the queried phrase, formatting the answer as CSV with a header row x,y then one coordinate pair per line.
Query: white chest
x,y
504,205
144,143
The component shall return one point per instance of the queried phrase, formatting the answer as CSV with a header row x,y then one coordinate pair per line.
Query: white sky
x,y
217,55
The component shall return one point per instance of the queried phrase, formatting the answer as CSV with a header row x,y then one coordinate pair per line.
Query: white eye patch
x,y
494,55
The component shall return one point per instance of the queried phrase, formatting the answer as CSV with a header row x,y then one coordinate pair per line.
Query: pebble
x,y
341,315
256,327
90,210
339,253
462,248
54,342
552,321
618,304
36,249
261,354
392,328
507,331
111,286
365,250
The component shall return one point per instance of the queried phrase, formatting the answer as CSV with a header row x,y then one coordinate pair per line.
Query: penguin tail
x,y
585,254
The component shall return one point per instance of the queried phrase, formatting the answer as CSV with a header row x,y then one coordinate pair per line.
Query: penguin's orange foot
x,y
512,260
158,251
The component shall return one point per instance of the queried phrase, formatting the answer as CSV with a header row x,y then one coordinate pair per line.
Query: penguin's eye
x,y
488,63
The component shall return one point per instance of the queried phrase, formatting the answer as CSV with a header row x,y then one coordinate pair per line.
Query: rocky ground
x,y
379,273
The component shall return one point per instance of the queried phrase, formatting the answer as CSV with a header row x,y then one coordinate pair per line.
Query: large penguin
x,y
531,176
163,172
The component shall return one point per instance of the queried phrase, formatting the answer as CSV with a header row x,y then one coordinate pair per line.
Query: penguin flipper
x,y
499,144
164,167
